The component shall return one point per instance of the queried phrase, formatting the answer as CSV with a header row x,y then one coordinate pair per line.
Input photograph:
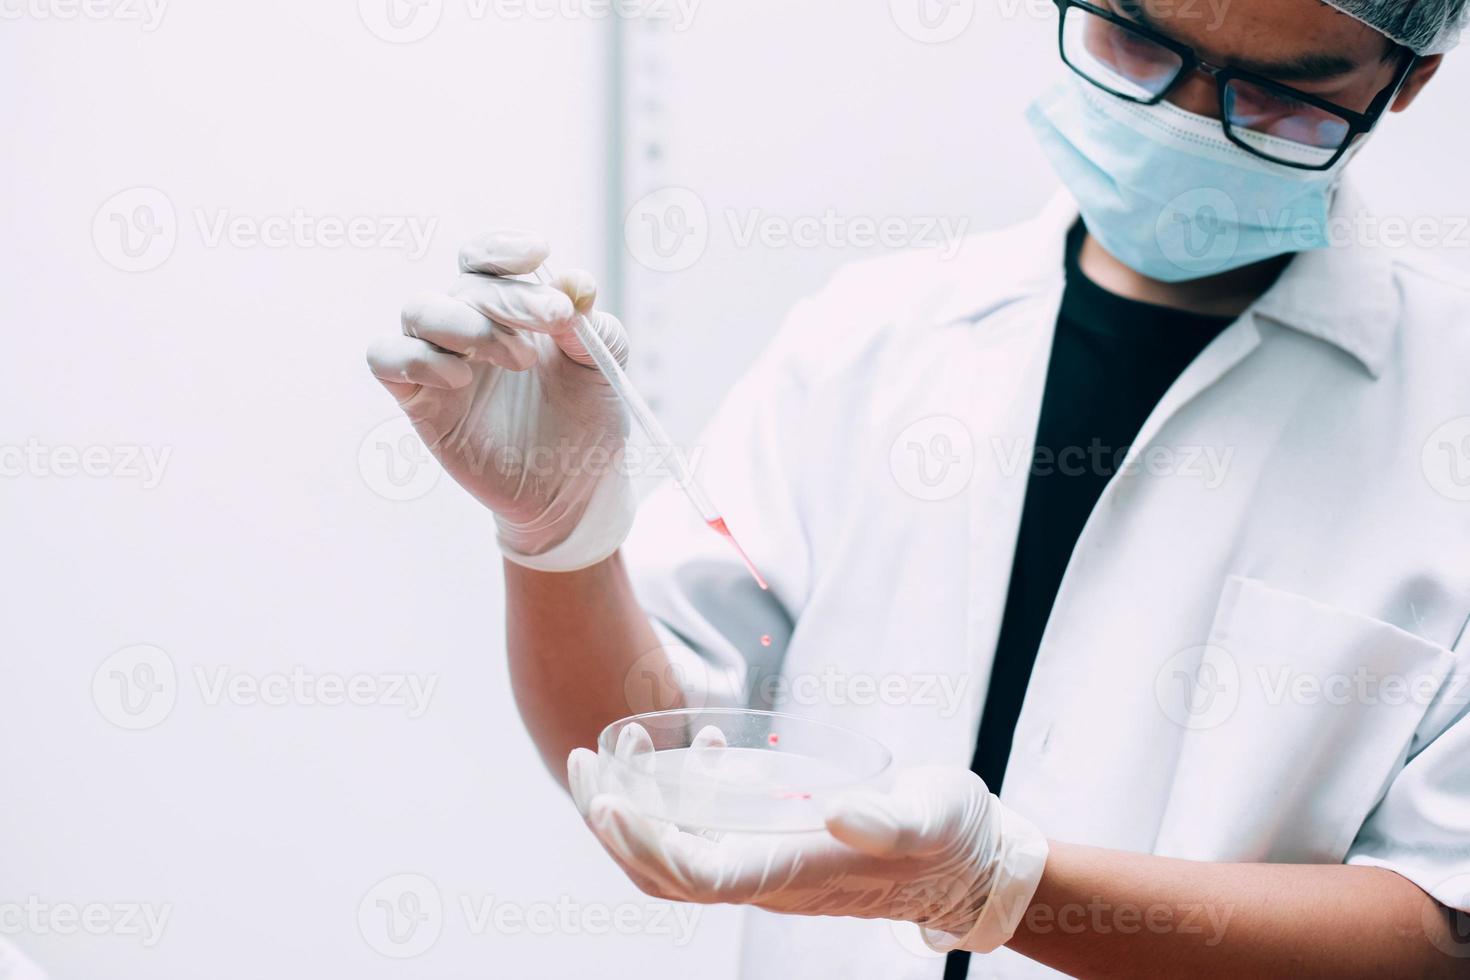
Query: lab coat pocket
x,y
1296,715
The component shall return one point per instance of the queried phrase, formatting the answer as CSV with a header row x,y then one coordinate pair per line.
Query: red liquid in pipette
x,y
718,526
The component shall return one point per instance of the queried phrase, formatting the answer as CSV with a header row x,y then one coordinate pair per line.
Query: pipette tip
x,y
719,527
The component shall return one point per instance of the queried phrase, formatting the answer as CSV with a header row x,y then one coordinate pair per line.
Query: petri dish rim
x,y
606,742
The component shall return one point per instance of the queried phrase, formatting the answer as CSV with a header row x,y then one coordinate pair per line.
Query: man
x,y
1211,640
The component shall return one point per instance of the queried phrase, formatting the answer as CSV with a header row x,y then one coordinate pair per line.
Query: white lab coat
x,y
1255,659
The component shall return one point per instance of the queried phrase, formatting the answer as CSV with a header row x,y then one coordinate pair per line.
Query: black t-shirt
x,y
1112,361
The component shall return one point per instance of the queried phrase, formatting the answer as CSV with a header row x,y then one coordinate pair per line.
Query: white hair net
x,y
1423,26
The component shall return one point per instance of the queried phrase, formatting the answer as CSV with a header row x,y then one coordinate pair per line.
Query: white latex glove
x,y
506,398
939,850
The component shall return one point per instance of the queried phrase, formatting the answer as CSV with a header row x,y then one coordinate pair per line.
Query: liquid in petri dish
x,y
773,740
765,639
743,789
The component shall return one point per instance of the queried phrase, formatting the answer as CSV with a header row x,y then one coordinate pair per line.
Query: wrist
x,y
1017,853
558,543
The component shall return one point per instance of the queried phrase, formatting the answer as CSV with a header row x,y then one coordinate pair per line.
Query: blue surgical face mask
x,y
1167,194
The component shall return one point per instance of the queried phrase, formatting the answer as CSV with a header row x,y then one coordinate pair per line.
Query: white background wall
x,y
273,539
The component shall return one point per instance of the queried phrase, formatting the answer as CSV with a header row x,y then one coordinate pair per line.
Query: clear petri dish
x,y
774,774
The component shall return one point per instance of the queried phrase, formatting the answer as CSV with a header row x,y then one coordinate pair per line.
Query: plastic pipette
x,y
623,385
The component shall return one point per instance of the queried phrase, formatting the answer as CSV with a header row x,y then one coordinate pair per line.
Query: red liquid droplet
x,y
766,640
718,526
773,739
793,795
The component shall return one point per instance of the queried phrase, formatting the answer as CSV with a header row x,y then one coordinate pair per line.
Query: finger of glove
x,y
700,788
503,252
514,303
709,737
689,868
638,776
406,364
583,778
706,753
635,747
607,327
637,845
579,286
456,327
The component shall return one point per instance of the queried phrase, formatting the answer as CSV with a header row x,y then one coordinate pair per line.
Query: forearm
x,y
1101,914
575,639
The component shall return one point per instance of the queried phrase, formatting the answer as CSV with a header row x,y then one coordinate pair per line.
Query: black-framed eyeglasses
x,y
1273,121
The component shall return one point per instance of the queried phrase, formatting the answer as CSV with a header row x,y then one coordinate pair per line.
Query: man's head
x,y
1345,52
1425,27
1226,121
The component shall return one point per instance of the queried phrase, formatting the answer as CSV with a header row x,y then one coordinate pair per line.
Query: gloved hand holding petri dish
x,y
797,816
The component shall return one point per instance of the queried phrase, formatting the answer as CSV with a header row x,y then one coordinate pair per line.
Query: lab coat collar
x,y
1343,295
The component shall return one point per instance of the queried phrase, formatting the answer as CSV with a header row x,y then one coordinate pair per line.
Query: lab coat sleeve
x,y
723,636
1421,827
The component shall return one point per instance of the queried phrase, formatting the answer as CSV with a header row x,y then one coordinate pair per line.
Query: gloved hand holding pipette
x,y
518,389
507,398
